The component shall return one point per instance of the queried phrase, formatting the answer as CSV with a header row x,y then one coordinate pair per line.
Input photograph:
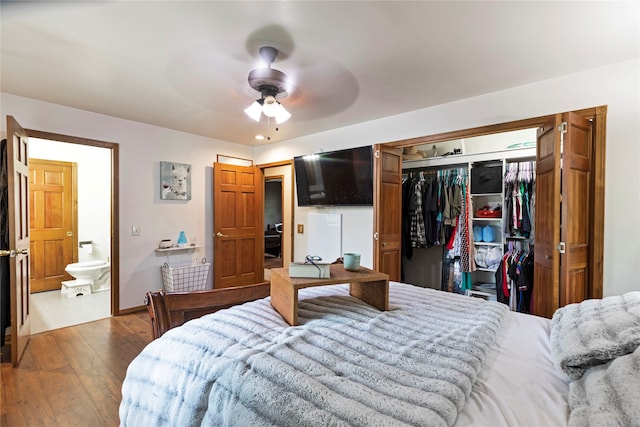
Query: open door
x,y
237,223
563,198
18,186
387,211
547,219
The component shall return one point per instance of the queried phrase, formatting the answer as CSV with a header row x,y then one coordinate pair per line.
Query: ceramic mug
x,y
351,261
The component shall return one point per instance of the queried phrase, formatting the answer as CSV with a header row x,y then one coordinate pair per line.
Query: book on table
x,y
309,270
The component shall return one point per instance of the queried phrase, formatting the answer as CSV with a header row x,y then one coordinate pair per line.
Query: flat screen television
x,y
335,178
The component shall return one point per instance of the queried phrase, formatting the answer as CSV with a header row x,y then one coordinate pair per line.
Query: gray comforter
x,y
596,344
594,332
346,364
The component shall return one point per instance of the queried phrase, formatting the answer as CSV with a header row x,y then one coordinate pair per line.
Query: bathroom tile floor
x,y
51,310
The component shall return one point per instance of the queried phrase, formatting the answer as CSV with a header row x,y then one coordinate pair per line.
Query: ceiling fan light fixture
x,y
271,83
282,115
270,107
254,110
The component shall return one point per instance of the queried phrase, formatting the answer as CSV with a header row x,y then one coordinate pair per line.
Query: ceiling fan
x,y
272,85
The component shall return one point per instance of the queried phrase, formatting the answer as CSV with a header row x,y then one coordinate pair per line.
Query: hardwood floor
x,y
272,262
73,376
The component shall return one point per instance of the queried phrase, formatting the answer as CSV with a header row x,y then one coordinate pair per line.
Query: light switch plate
x,y
135,230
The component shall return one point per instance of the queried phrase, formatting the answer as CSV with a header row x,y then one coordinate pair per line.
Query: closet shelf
x,y
486,194
492,270
487,243
479,292
475,218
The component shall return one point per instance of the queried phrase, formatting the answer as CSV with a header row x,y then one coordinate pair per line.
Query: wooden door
x,y
18,174
52,222
238,225
576,141
563,209
387,211
547,220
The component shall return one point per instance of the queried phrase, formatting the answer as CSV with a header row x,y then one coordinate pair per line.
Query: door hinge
x,y
562,128
377,154
376,236
561,247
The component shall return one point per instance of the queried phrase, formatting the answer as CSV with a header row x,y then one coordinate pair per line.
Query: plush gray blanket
x,y
594,332
346,364
596,343
607,395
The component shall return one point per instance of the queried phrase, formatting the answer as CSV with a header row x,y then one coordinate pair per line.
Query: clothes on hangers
x,y
432,203
519,193
514,277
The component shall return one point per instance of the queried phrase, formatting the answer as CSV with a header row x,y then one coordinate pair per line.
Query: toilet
x,y
90,276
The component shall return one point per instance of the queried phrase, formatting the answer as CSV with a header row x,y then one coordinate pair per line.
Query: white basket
x,y
190,278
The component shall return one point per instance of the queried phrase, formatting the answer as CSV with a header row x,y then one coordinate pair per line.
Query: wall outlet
x,y
300,228
135,230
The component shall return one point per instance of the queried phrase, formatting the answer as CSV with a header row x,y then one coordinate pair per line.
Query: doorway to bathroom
x,y
70,224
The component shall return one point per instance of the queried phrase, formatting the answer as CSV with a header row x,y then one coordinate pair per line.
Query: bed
x,y
433,359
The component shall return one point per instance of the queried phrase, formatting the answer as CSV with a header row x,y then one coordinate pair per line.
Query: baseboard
x,y
131,310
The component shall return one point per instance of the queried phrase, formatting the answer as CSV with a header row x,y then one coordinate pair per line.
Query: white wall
x,y
142,147
94,191
617,86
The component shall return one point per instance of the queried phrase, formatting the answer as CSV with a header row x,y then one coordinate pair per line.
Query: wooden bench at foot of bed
x,y
170,309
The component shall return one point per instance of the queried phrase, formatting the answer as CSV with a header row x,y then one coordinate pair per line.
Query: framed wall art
x,y
175,181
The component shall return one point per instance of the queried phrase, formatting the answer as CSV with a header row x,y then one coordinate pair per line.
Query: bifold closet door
x,y
387,211
563,188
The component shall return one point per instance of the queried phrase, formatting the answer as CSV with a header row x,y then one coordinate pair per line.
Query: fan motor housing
x,y
268,78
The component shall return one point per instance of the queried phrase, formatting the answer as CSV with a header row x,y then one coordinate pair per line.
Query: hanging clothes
x,y
416,224
519,190
514,277
432,207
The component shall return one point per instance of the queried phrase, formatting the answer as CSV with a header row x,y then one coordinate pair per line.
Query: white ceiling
x,y
184,64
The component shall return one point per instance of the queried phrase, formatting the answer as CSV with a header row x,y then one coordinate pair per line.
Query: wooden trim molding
x,y
588,113
115,203
275,164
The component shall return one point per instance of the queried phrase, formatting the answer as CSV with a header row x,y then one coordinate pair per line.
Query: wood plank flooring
x,y
73,376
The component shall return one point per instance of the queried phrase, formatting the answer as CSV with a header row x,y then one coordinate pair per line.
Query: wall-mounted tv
x,y
335,178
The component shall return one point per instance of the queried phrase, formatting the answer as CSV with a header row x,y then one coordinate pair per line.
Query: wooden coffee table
x,y
367,285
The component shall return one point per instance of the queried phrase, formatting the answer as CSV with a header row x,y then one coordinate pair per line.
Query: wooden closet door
x,y
547,219
563,223
387,211
576,227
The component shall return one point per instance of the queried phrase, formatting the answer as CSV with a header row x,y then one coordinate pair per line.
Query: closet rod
x,y
434,169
